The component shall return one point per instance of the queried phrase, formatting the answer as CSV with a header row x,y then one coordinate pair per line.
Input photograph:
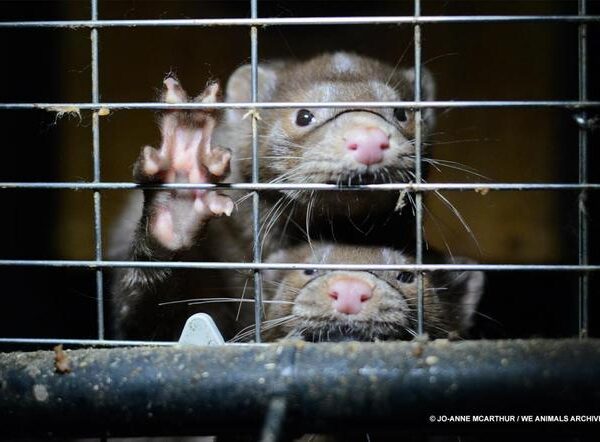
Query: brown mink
x,y
342,305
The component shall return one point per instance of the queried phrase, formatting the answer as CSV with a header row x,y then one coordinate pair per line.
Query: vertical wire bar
x,y
583,179
273,425
96,158
258,304
418,174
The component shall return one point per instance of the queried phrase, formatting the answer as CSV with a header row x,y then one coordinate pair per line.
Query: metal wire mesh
x,y
418,22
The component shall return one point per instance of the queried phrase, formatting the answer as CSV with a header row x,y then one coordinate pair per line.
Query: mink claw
x,y
210,94
153,161
218,160
173,92
219,204
213,204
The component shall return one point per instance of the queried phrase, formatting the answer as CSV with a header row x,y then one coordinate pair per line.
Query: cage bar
x,y
583,224
455,104
295,21
256,248
418,175
93,264
274,419
422,187
97,175
85,342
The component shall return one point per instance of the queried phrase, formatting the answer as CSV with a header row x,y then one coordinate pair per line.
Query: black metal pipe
x,y
189,390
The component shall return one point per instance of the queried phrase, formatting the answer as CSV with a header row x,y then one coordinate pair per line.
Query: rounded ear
x,y
239,86
427,91
296,254
427,82
279,256
462,290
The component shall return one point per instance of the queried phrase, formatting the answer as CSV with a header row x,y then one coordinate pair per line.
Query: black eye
x,y
400,114
406,277
309,272
304,117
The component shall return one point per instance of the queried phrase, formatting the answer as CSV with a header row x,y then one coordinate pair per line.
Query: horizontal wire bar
x,y
288,21
95,342
101,342
91,264
76,107
422,187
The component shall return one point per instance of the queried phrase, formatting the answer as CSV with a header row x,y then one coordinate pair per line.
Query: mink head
x,y
365,306
329,145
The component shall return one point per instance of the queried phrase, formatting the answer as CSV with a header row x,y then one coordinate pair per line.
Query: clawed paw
x,y
186,155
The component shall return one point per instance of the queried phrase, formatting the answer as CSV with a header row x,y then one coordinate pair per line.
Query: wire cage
x,y
292,393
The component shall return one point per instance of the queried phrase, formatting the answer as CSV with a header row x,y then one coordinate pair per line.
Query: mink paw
x,y
186,155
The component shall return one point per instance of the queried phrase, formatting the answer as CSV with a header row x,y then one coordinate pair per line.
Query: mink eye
x,y
304,117
406,277
309,272
400,114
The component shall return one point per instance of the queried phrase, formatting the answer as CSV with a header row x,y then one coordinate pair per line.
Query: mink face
x,y
364,306
328,145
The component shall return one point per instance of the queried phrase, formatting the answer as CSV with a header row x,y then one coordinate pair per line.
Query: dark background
x,y
469,61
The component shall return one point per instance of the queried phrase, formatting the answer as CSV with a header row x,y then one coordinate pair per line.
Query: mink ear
x,y
462,290
239,86
296,254
275,275
427,91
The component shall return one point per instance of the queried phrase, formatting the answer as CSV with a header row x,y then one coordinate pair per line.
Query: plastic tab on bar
x,y
200,329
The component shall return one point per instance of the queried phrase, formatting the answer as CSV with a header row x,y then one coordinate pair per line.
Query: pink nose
x,y
367,144
349,295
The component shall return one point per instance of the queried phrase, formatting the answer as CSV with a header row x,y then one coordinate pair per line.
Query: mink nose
x,y
349,295
367,144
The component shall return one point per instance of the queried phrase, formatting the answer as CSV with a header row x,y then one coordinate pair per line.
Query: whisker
x,y
454,166
459,217
265,325
239,310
